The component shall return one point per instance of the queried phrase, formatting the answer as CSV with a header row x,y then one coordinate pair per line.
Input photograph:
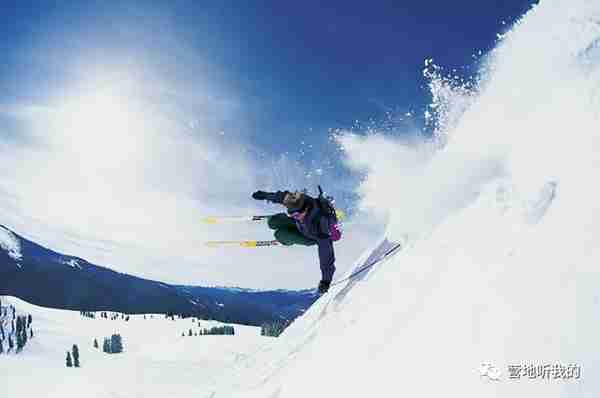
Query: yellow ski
x,y
242,243
228,219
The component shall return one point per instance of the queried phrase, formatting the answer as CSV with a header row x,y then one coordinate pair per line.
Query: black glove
x,y
324,286
259,195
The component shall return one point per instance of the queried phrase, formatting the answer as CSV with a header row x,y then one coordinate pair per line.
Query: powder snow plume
x,y
500,216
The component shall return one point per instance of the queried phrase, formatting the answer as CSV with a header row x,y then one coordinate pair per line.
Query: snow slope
x,y
502,215
157,360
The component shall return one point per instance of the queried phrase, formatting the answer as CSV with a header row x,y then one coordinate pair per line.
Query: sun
x,y
101,128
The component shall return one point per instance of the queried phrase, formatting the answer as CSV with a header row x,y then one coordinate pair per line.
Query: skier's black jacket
x,y
314,226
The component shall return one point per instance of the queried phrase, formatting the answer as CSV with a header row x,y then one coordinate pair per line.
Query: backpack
x,y
325,204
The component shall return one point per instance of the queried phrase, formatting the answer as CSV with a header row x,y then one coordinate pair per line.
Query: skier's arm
x,y
275,197
326,259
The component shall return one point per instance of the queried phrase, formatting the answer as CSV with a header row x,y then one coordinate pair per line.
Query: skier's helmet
x,y
294,201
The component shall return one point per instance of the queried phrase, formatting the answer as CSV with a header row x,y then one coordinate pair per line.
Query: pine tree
x,y
76,355
19,341
29,320
190,332
1,347
69,362
24,338
116,344
30,333
95,343
106,345
120,343
273,329
11,345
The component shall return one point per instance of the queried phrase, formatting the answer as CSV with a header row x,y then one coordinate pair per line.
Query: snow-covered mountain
x,y
47,278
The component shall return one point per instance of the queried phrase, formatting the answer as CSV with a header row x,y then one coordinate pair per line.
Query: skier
x,y
309,221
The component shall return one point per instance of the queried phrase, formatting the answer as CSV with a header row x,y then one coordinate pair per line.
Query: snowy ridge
x,y
10,244
73,263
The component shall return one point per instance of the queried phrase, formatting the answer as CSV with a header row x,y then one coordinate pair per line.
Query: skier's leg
x,y
289,236
286,231
281,220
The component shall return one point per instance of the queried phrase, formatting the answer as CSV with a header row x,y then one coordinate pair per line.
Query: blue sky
x,y
302,67
115,114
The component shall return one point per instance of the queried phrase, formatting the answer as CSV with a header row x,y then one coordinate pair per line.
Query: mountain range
x,y
47,278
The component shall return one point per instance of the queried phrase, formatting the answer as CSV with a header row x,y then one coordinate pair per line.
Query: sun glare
x,y
102,128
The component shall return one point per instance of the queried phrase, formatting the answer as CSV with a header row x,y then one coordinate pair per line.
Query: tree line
x,y
273,329
215,330
15,330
